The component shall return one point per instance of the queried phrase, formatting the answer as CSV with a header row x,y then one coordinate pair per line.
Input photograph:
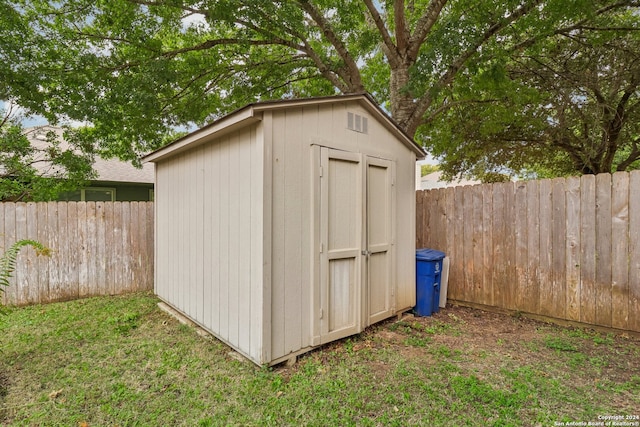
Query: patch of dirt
x,y
477,339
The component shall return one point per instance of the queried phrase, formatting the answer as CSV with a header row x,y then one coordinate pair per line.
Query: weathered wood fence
x,y
98,248
562,248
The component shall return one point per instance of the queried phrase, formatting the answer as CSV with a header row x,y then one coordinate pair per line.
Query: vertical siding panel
x,y
634,251
208,189
559,242
522,245
292,161
234,229
588,249
546,248
264,262
278,326
304,169
488,261
225,221
244,237
177,224
197,231
216,231
531,293
182,273
620,250
603,249
573,249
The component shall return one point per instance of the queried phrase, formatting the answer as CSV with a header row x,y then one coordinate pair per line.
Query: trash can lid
x,y
429,255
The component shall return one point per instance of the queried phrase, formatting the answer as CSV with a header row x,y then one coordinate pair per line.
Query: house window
x,y
98,194
92,194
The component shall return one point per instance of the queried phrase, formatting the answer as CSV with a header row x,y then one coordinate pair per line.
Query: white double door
x,y
355,260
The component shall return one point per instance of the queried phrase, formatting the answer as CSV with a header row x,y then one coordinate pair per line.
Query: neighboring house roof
x,y
112,170
252,113
434,180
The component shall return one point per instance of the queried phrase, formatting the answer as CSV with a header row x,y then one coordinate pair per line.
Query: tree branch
x,y
447,78
353,81
424,26
532,40
402,33
391,51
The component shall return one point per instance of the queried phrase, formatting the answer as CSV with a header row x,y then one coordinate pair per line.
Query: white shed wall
x,y
209,210
294,132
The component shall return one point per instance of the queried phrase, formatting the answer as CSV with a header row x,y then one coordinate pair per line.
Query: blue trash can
x,y
428,272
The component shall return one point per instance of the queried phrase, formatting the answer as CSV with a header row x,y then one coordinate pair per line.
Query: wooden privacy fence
x,y
562,248
98,248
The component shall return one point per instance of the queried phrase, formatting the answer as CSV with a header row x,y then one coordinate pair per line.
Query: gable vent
x,y
357,123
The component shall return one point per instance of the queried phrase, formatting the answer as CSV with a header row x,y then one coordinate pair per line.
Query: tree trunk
x,y
402,103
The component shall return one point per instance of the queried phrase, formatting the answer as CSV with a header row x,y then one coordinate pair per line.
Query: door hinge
x,y
321,313
321,171
321,248
366,253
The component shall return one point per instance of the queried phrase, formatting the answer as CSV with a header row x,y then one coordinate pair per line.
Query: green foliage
x,y
36,166
10,256
471,79
562,103
427,169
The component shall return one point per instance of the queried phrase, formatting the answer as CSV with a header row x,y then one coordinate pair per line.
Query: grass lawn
x,y
121,361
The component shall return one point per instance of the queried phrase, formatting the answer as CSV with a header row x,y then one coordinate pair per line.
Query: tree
x,y
568,104
135,68
40,168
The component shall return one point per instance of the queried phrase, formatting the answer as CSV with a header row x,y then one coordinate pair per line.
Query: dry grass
x,y
121,361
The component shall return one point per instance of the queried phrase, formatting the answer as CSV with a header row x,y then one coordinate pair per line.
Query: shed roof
x,y
251,114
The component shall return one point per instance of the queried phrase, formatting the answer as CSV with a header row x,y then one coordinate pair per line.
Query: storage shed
x,y
288,224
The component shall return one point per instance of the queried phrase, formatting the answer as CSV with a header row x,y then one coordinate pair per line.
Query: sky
x,y
26,121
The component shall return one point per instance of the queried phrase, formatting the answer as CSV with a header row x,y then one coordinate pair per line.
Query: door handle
x,y
366,253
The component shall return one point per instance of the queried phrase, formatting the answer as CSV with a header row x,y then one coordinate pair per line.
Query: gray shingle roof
x,y
113,170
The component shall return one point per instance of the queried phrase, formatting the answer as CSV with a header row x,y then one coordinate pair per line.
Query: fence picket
x,y
563,248
620,250
91,255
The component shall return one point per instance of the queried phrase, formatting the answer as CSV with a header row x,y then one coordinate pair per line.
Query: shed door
x,y
341,225
355,227
379,221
